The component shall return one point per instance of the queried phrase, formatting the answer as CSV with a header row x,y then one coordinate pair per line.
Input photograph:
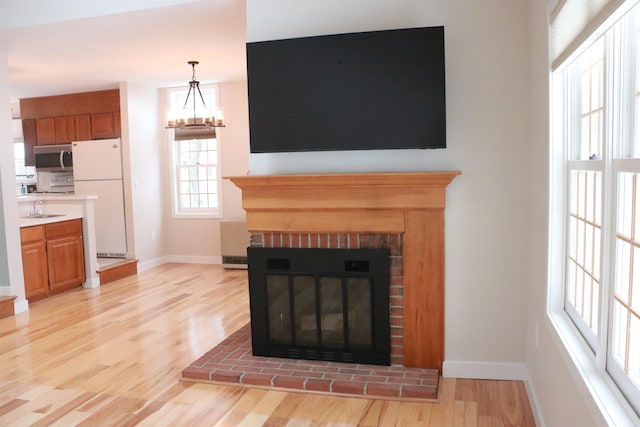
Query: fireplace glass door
x,y
309,309
321,311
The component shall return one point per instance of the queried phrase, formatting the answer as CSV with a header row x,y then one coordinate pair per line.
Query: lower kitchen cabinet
x,y
34,261
52,257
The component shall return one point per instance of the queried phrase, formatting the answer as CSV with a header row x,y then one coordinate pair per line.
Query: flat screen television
x,y
358,91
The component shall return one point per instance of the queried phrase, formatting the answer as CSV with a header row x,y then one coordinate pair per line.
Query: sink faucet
x,y
40,207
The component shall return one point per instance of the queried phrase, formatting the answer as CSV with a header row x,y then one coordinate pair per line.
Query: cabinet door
x,y
30,141
65,129
82,127
102,125
65,262
34,268
116,124
45,131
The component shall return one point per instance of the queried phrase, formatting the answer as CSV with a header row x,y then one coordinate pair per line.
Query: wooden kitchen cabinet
x,y
61,119
65,255
30,141
60,129
65,129
105,125
34,261
45,131
82,124
117,125
52,257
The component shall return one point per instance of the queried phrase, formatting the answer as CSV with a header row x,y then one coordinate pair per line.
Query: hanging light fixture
x,y
205,122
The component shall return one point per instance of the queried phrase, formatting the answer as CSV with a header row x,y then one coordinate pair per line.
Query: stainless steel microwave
x,y
53,158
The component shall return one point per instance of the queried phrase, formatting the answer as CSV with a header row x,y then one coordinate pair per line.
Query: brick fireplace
x,y
392,242
402,212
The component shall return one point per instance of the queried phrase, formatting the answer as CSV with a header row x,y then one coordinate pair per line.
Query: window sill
x,y
207,215
604,394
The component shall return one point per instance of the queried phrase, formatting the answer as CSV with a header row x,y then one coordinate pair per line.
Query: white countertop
x,y
54,196
65,206
28,222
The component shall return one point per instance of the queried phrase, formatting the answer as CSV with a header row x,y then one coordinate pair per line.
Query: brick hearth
x,y
231,363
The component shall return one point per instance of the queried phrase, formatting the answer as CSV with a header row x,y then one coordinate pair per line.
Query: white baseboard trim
x,y
20,306
182,259
534,401
194,259
90,283
485,370
148,265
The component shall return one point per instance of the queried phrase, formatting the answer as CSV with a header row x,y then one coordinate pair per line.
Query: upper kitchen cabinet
x,y
82,123
72,117
65,129
30,139
105,125
45,131
61,130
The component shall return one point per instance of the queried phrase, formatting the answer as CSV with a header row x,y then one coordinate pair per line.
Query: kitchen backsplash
x,y
28,181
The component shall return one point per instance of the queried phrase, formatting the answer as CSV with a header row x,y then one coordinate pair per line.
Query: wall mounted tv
x,y
357,91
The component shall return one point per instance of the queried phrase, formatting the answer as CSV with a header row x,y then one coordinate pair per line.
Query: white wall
x,y
5,166
234,146
11,279
487,60
143,170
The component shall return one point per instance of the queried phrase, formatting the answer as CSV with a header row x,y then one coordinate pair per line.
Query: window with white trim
x,y
19,159
599,95
195,158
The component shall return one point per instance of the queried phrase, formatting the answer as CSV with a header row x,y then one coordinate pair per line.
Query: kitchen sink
x,y
42,215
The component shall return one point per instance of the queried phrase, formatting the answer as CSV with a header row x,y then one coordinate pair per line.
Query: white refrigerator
x,y
97,170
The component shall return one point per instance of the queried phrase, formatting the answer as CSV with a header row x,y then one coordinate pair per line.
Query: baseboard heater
x,y
234,241
111,255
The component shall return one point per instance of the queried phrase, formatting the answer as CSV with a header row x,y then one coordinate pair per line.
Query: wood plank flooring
x,y
112,356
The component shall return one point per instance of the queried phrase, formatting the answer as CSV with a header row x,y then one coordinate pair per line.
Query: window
x,y
195,159
196,175
18,156
584,230
599,125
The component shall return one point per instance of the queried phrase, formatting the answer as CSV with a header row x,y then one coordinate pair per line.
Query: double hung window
x,y
598,95
19,159
195,155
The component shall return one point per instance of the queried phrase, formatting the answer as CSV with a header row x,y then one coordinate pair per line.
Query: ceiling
x,y
149,46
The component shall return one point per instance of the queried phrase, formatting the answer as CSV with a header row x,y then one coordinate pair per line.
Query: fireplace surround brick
x,y
392,242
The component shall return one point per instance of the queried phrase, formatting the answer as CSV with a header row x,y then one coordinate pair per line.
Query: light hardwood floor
x,y
112,356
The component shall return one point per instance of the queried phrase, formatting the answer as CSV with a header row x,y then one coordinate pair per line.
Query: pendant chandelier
x,y
195,123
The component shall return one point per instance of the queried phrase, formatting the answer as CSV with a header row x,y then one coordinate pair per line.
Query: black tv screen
x,y
357,91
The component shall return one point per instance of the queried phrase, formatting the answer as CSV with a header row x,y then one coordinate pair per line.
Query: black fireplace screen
x,y
325,304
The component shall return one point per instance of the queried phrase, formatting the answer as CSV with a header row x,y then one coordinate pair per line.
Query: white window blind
x,y
573,21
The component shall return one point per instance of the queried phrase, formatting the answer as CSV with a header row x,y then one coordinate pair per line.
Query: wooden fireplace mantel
x,y
409,203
